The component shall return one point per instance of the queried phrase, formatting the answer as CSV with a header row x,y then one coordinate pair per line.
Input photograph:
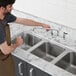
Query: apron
x,y
7,66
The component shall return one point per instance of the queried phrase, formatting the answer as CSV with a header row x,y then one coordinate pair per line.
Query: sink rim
x,y
68,68
33,51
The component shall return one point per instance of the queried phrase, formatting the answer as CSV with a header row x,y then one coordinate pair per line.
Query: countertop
x,y
45,66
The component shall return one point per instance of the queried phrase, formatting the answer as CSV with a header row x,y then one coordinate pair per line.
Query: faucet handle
x,y
64,35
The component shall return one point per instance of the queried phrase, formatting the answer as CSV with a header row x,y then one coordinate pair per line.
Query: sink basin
x,y
68,63
48,51
29,41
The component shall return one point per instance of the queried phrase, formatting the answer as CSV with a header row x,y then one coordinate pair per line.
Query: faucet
x,y
33,28
64,35
52,32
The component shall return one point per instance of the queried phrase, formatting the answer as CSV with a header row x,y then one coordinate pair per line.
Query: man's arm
x,y
8,49
30,22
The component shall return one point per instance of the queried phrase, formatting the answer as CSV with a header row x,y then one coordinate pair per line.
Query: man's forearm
x,y
7,49
32,23
13,47
28,22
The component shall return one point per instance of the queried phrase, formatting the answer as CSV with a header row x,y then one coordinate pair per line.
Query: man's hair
x,y
4,3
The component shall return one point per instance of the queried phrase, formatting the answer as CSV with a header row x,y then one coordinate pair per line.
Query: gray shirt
x,y
7,19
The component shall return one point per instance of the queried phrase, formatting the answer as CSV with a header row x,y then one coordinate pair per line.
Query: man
x,y
6,62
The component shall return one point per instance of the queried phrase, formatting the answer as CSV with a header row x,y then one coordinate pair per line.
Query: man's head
x,y
6,6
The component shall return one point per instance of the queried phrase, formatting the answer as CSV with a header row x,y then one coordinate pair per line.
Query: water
x,y
71,58
33,41
46,45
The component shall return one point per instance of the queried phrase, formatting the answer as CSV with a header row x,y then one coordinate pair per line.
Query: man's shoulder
x,y
10,17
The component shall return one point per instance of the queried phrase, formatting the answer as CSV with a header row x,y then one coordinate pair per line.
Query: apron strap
x,y
8,37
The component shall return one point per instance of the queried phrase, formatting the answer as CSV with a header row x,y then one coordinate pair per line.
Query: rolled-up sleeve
x,y
10,18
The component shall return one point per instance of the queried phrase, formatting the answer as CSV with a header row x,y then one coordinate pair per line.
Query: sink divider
x,y
54,61
35,46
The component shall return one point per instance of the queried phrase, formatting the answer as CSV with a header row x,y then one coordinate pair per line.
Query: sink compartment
x,y
48,51
68,63
29,41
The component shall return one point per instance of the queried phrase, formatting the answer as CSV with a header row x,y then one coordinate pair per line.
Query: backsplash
x,y
61,28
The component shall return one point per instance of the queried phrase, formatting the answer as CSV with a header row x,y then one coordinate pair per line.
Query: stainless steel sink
x,y
68,63
48,51
29,40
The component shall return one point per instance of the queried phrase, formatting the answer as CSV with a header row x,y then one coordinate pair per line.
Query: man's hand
x,y
19,41
47,27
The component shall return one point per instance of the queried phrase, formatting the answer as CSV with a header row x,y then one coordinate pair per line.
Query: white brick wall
x,y
61,11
